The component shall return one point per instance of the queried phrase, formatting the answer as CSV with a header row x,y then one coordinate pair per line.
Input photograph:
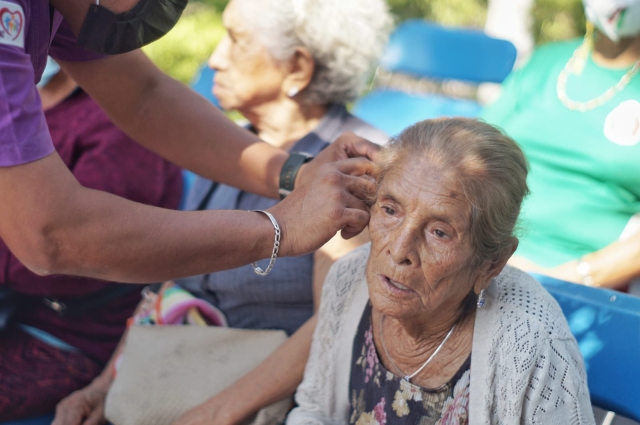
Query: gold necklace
x,y
576,65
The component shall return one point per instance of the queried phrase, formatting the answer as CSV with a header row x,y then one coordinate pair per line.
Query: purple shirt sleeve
x,y
24,136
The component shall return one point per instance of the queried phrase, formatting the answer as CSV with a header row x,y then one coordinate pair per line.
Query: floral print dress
x,y
379,397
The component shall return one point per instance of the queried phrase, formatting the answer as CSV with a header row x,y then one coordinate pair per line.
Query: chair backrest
x,y
606,325
427,50
203,84
188,179
392,111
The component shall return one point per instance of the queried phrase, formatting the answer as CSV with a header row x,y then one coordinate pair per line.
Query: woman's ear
x,y
302,67
492,268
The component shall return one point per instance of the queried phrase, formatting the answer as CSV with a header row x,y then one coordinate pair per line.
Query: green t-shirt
x,y
584,187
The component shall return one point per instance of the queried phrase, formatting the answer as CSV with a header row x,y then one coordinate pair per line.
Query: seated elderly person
x,y
574,109
290,74
426,325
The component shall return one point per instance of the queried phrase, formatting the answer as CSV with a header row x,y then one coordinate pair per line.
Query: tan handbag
x,y
167,370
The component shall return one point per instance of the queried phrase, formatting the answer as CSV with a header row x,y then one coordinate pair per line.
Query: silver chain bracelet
x,y
276,246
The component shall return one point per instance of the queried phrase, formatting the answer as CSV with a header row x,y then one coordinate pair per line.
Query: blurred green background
x,y
188,45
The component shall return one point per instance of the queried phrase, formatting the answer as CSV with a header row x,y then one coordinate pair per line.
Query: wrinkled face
x,y
246,74
421,251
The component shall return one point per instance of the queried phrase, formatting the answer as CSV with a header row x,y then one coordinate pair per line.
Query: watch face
x,y
305,154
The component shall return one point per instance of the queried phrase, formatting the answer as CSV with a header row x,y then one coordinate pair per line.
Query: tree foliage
x,y
552,19
181,52
187,46
557,20
448,12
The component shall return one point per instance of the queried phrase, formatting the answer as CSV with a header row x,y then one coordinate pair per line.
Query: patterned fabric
x,y
379,397
35,376
175,306
525,363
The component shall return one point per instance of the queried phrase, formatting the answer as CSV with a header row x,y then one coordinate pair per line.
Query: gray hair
x,y
491,167
345,38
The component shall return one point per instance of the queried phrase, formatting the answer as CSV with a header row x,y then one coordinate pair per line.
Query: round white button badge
x,y
622,125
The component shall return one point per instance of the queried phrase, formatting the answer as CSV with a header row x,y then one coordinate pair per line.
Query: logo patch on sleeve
x,y
11,24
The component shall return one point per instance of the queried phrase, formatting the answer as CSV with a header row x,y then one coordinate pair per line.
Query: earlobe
x,y
484,278
302,69
501,258
489,269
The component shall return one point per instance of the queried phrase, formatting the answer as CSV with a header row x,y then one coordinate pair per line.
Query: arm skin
x,y
611,267
54,225
178,124
102,158
172,120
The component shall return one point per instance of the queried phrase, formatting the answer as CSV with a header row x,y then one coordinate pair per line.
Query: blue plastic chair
x,y
426,50
606,325
202,84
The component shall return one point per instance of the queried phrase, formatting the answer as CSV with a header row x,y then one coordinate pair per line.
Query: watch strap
x,y
290,171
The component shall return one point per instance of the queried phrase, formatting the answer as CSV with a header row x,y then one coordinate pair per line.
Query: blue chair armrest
x,y
606,325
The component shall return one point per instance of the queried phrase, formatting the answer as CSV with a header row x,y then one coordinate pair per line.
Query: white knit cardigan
x,y
525,364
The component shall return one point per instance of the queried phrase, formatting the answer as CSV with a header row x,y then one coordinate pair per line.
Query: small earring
x,y
292,92
480,302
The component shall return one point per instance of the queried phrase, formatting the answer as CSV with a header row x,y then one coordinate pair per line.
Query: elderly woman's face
x,y
421,250
246,74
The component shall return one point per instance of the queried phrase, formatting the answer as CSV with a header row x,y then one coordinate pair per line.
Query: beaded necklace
x,y
576,65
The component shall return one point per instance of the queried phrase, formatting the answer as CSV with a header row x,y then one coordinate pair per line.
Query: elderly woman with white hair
x,y
426,325
289,67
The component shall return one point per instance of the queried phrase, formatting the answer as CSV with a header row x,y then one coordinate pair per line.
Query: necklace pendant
x,y
406,378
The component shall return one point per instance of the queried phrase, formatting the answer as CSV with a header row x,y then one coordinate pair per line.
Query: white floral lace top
x,y
527,368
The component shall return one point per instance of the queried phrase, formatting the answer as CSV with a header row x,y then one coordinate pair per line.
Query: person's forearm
x,y
54,225
273,380
615,264
151,244
172,120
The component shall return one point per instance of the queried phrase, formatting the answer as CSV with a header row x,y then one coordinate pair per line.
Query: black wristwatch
x,y
290,171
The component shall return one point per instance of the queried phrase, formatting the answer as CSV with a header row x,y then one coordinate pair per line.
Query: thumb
x,y
67,417
353,146
354,222
356,166
96,417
